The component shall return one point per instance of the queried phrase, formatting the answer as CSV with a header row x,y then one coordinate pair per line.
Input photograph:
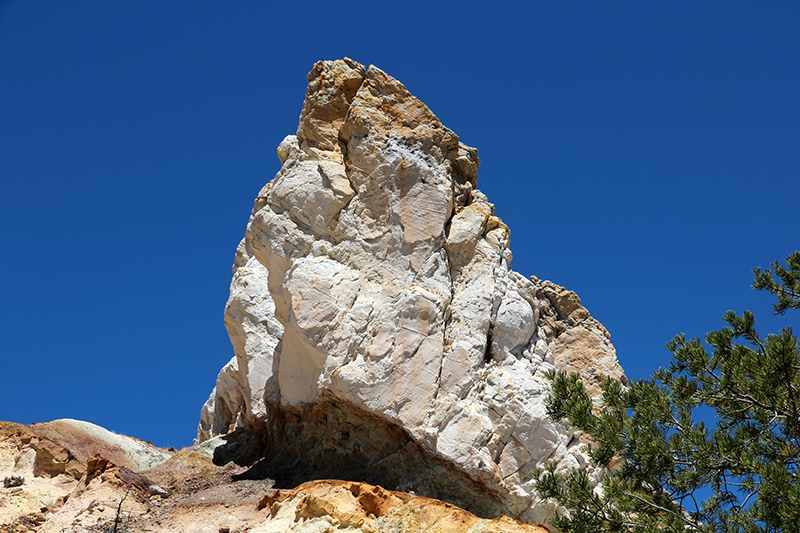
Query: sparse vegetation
x,y
120,519
13,481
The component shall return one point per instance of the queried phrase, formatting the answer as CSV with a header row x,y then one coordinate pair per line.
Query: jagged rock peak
x,y
380,334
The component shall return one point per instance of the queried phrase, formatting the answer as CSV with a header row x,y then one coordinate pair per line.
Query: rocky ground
x,y
59,478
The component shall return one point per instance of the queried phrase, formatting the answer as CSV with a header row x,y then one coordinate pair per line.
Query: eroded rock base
x,y
332,440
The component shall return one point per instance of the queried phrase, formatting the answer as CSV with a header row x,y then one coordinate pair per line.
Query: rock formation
x,y
379,332
59,478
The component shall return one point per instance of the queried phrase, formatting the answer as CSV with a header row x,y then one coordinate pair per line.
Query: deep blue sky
x,y
644,154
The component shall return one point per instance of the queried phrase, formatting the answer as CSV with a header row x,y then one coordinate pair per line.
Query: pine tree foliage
x,y
787,289
664,470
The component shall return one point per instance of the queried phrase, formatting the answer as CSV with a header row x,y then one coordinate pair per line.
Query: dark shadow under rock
x,y
334,440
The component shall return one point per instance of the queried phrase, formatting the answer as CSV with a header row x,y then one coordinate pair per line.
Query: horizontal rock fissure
x,y
329,439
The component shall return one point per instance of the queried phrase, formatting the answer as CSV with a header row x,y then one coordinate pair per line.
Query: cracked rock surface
x,y
373,310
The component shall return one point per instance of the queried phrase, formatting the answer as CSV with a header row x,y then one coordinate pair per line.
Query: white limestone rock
x,y
375,275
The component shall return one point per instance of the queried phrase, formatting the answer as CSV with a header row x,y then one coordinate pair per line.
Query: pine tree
x,y
667,471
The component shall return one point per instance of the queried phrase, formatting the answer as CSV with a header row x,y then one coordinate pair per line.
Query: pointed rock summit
x,y
379,332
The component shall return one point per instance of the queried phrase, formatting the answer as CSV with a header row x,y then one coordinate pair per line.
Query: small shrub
x,y
13,481
121,520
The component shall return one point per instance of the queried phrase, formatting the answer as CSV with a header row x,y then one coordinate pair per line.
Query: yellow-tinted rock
x,y
352,506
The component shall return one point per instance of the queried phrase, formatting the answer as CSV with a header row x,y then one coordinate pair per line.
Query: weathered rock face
x,y
375,317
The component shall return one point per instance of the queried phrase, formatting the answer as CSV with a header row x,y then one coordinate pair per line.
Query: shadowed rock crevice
x,y
333,440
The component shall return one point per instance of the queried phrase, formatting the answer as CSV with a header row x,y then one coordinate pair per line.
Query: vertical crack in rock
x,y
487,351
379,332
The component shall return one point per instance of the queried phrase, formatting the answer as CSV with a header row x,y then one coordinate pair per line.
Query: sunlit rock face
x,y
373,302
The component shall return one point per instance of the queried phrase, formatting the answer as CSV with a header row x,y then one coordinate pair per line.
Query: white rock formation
x,y
374,276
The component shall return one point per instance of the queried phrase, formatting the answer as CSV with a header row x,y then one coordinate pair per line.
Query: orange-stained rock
x,y
354,506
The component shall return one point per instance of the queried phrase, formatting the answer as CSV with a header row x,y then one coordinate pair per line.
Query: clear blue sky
x,y
644,154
